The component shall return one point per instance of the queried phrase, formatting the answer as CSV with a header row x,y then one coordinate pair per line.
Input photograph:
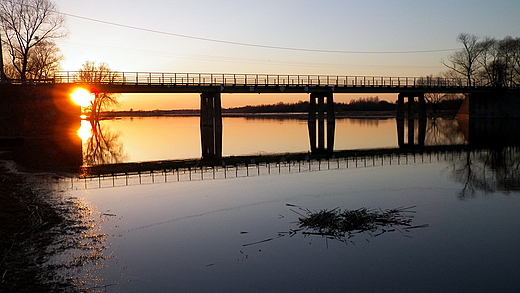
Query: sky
x,y
328,37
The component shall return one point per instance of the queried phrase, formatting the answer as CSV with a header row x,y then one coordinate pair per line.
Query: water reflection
x,y
444,132
79,253
101,145
179,137
493,165
488,171
202,236
491,133
50,242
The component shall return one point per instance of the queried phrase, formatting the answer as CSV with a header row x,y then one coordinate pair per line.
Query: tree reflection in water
x,y
101,146
444,132
488,170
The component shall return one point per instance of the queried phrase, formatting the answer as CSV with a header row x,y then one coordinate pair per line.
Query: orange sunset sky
x,y
296,37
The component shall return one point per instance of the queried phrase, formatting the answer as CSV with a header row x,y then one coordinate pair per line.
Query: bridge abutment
x,y
498,104
211,125
321,110
40,127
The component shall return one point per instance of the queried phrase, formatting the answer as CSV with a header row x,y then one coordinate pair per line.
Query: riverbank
x,y
27,220
37,225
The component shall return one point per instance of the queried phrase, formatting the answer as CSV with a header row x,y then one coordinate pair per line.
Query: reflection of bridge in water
x,y
478,168
493,140
126,174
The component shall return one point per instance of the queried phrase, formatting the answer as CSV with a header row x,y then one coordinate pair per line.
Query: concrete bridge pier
x,y
321,108
211,125
421,107
421,115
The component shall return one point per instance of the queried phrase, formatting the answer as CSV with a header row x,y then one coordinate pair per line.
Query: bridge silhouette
x,y
321,89
156,82
44,107
125,174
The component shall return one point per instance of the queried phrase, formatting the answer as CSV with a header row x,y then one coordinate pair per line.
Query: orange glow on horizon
x,y
82,97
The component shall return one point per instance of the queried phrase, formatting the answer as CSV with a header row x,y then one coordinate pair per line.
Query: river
x,y
419,220
169,138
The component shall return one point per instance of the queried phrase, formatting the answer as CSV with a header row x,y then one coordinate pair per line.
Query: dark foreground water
x,y
242,234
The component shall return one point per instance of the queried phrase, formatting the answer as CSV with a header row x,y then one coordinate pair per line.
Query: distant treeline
x,y
437,104
361,104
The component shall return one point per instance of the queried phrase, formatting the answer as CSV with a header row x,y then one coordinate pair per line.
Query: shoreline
x,y
38,223
28,217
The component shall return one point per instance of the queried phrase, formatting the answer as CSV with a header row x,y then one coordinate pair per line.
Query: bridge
x,y
155,82
321,89
486,99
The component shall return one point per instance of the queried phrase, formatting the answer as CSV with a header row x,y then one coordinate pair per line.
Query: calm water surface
x,y
242,235
166,138
237,229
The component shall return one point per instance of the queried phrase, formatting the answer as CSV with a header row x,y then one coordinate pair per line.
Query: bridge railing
x,y
212,79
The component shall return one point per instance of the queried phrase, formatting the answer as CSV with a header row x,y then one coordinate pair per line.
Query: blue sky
x,y
359,26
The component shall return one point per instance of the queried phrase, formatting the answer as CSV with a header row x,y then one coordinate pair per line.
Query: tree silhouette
x,y
464,62
28,25
90,72
496,61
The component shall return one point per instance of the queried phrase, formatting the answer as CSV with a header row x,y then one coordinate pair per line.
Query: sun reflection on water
x,y
85,130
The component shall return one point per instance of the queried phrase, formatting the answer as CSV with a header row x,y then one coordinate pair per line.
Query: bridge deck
x,y
149,82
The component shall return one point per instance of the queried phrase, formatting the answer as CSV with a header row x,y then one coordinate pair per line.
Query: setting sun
x,y
81,97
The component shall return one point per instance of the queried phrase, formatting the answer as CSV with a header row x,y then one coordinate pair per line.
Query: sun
x,y
81,97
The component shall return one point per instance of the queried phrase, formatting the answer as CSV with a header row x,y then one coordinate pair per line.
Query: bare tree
x,y
500,61
25,25
90,72
44,60
96,73
515,59
464,62
509,52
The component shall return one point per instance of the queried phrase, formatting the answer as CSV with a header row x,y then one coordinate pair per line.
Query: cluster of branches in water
x,y
344,224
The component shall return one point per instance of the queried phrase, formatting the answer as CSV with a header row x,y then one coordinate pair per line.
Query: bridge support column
x,y
421,115
322,110
211,125
421,108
